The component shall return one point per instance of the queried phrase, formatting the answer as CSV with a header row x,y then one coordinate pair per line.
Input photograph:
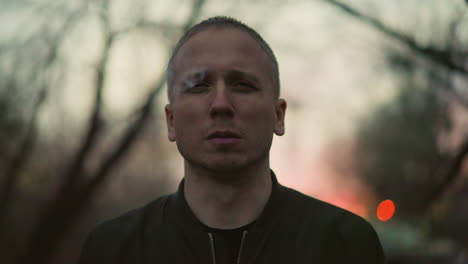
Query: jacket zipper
x,y
244,235
213,255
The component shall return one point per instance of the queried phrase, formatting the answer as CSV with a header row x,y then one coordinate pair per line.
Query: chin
x,y
220,166
225,166
230,169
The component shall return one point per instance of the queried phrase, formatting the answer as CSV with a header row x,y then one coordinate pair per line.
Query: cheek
x,y
187,118
260,117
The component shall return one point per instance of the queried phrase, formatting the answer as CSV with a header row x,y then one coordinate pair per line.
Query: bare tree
x,y
78,185
401,148
451,57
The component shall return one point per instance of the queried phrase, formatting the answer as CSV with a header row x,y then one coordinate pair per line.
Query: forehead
x,y
221,49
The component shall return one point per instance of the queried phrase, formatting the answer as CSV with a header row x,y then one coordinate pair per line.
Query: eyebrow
x,y
191,79
235,74
198,75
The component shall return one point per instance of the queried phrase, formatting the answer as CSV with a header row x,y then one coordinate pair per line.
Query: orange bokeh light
x,y
385,210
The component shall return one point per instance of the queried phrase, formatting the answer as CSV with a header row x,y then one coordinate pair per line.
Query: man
x,y
224,106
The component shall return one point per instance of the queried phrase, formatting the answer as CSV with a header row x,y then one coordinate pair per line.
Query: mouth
x,y
223,137
223,134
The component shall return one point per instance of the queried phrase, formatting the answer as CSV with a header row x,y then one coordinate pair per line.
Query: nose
x,y
221,104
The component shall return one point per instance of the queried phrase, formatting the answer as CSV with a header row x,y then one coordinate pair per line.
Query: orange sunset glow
x,y
311,174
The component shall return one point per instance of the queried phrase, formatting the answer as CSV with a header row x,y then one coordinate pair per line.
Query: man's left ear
x,y
280,112
170,123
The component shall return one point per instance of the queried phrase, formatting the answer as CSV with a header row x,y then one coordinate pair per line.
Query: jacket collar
x,y
197,239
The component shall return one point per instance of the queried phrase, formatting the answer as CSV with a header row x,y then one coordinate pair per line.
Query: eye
x,y
199,87
244,86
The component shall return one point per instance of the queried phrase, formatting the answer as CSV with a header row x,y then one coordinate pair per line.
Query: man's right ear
x,y
170,123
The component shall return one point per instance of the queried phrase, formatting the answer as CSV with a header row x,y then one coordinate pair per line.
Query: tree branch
x,y
137,126
450,177
20,158
45,240
440,57
95,120
66,208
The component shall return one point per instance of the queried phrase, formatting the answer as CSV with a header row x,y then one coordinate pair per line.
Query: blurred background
x,y
377,118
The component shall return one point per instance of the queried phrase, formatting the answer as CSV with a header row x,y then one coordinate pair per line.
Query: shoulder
x,y
310,207
106,240
130,221
342,231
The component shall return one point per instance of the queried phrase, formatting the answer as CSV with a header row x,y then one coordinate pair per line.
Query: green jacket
x,y
292,229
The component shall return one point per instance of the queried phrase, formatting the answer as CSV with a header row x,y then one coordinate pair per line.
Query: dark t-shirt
x,y
227,243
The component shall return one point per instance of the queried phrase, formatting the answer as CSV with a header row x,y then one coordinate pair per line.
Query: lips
x,y
223,138
223,134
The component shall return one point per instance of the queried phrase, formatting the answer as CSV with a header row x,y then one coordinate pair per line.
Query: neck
x,y
227,200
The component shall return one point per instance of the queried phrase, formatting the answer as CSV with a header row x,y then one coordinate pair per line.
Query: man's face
x,y
223,112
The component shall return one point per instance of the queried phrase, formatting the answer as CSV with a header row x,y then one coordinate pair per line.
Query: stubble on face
x,y
201,69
